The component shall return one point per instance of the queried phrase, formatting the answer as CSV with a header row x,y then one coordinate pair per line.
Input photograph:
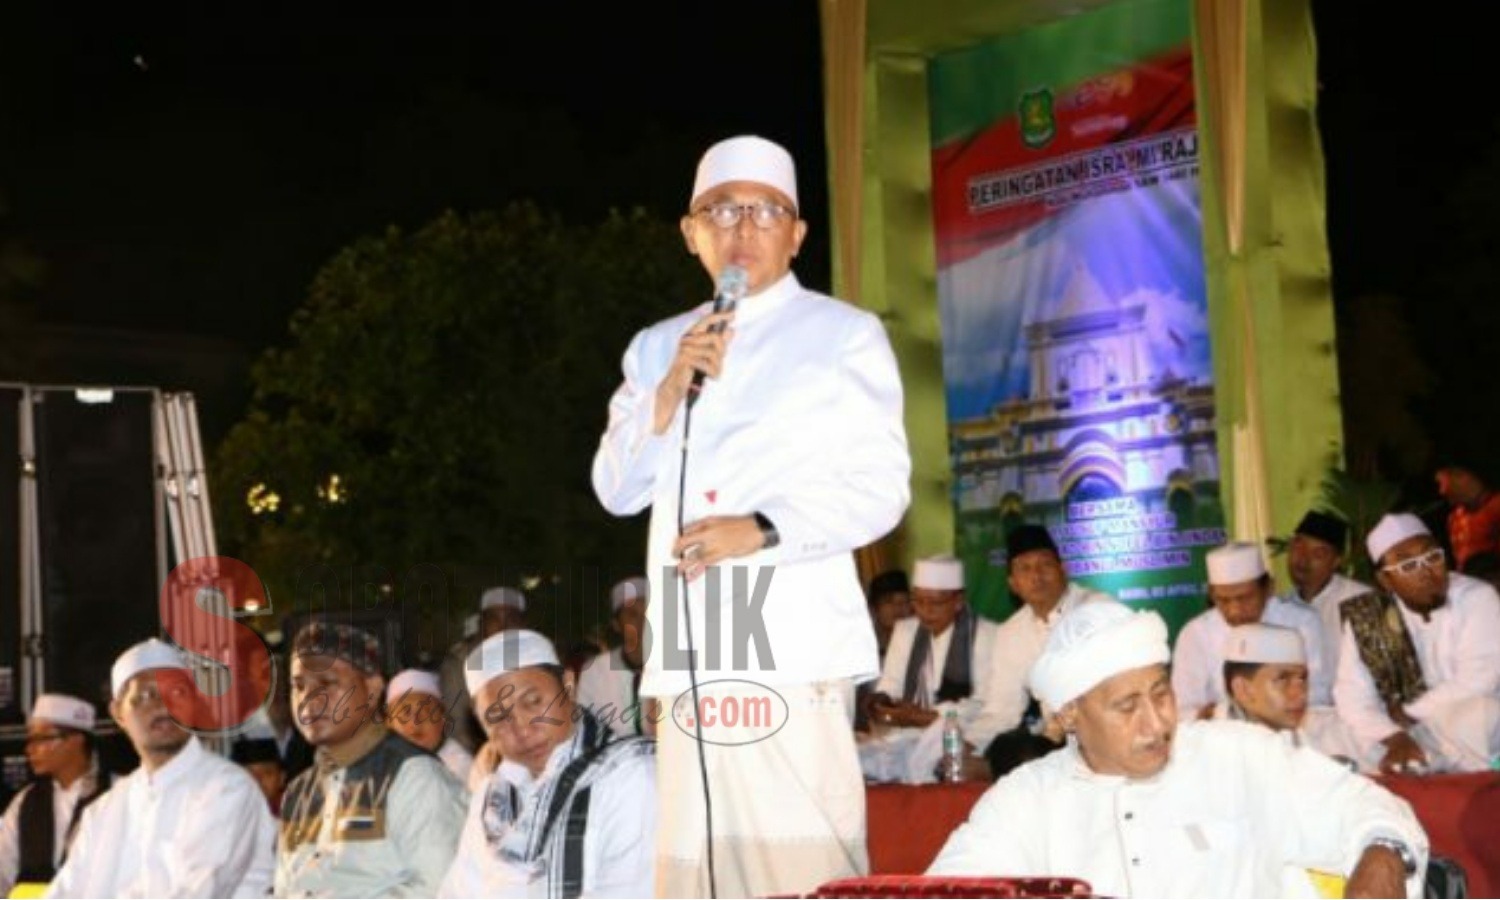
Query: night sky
x,y
188,170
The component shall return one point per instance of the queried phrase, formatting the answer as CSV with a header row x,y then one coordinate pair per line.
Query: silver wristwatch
x,y
1408,859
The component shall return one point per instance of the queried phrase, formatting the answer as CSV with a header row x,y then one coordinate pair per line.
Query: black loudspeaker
x,y
11,637
100,530
13,770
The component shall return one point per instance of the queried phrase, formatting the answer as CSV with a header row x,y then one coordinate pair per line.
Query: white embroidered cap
x,y
1261,643
61,709
938,573
1391,530
505,652
148,654
746,158
416,681
1235,563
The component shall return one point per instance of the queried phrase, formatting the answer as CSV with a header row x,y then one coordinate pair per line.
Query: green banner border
x,y
1283,264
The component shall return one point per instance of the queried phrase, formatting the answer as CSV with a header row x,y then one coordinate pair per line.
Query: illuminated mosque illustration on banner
x,y
1096,424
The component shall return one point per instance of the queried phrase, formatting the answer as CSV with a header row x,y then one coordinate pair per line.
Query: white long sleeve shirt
x,y
1326,605
1001,687
196,827
1233,810
1458,649
804,426
1198,657
619,844
892,681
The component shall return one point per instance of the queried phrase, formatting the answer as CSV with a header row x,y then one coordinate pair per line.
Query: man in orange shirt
x,y
1474,521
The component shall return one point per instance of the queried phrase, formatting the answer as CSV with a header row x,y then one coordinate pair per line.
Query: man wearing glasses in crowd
x,y
40,821
798,457
1419,669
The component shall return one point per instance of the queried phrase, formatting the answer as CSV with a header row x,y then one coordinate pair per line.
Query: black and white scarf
x,y
544,834
957,682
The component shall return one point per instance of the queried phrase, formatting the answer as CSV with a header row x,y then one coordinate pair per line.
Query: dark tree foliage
x,y
455,381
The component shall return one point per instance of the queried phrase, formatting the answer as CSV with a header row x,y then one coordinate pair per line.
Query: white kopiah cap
x,y
503,596
505,652
1096,641
630,589
148,654
1235,563
61,709
938,573
1392,530
416,681
1259,643
746,158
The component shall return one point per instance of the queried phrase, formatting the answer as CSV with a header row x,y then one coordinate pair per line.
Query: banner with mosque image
x,y
1074,307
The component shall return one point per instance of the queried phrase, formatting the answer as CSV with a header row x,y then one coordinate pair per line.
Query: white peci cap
x,y
746,158
1261,643
148,654
505,652
1392,530
503,596
61,709
416,681
1235,563
938,573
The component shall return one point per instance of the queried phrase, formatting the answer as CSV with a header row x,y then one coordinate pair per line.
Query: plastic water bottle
x,y
952,767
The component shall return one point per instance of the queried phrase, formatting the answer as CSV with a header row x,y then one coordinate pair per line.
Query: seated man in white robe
x,y
937,656
1419,672
1010,728
571,811
1265,667
1240,589
375,816
187,823
1314,557
1140,806
416,710
610,684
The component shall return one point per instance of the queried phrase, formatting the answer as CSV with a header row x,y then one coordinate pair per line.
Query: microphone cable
x,y
731,285
687,617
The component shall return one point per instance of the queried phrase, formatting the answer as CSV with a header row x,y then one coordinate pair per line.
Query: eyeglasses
x,y
51,738
1429,560
764,213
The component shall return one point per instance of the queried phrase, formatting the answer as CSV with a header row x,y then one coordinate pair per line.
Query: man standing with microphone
x,y
793,455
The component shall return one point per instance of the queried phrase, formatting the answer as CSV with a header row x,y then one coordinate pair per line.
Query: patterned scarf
x,y
957,682
526,834
1385,647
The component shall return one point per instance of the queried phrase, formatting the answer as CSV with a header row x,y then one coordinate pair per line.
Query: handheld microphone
x,y
732,285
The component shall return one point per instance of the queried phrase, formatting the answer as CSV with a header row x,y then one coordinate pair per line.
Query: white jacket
x,y
1235,808
1459,651
804,426
197,827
